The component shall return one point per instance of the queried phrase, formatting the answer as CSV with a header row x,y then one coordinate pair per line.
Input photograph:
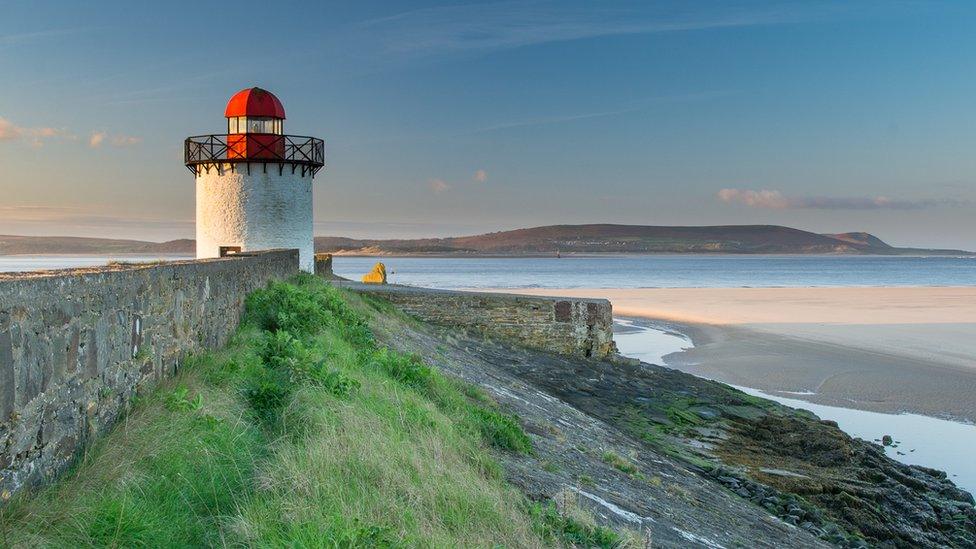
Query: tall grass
x,y
303,432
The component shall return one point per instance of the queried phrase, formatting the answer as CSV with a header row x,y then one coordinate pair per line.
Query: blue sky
x,y
446,118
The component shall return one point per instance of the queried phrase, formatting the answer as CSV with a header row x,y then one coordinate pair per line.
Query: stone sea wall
x,y
76,346
569,326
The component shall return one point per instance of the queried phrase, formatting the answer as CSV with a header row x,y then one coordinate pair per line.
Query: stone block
x,y
7,377
323,265
564,311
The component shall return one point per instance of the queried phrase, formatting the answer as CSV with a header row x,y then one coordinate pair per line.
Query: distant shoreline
x,y
588,255
552,240
637,254
100,254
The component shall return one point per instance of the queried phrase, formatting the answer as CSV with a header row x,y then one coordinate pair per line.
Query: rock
x,y
621,359
708,413
377,275
886,440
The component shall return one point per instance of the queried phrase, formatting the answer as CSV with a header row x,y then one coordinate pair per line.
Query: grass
x,y
571,528
302,432
619,463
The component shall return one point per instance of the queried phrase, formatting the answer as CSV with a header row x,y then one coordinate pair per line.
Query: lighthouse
x,y
254,183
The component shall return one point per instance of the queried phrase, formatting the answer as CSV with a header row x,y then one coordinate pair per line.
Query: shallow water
x,y
921,440
667,271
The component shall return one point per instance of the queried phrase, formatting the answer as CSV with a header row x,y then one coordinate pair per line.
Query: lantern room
x,y
255,124
255,136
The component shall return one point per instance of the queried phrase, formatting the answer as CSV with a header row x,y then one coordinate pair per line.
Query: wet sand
x,y
878,349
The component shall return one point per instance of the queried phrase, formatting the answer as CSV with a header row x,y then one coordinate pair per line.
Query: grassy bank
x,y
302,432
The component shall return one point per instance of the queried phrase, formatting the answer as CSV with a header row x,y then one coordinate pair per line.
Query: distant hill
x,y
11,245
606,238
566,239
860,239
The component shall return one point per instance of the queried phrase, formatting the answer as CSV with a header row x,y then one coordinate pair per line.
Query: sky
x,y
447,118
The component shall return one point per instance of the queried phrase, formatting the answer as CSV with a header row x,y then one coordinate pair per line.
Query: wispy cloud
x,y
83,221
544,121
24,38
633,107
125,140
35,136
480,176
45,214
95,139
438,186
485,27
776,200
98,138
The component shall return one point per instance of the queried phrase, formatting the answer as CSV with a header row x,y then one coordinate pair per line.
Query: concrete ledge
x,y
564,325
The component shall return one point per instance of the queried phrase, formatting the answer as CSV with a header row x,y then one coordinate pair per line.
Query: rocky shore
x,y
690,462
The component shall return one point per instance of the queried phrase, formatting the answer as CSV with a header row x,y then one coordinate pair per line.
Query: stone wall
x,y
569,326
75,346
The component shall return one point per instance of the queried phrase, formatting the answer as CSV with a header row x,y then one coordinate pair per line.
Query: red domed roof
x,y
254,102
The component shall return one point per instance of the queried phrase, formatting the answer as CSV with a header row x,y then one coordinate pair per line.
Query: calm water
x,y
668,271
945,445
16,263
656,271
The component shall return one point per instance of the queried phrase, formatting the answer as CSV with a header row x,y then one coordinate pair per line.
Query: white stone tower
x,y
254,184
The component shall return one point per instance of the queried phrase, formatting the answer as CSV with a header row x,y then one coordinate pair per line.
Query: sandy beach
x,y
882,349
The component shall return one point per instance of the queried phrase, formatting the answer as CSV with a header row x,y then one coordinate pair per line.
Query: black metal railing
x,y
211,151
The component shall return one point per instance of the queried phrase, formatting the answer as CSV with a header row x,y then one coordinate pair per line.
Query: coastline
x,y
913,252
917,439
885,350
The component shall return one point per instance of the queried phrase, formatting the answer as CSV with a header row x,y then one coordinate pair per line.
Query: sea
x,y
623,271
18,263
667,271
922,440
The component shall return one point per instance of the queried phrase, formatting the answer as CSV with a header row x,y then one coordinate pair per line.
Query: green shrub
x,y
289,316
495,428
281,350
501,430
338,383
304,308
266,391
570,531
619,463
283,306
179,400
407,369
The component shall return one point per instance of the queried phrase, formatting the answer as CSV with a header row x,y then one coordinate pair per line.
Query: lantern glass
x,y
254,124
